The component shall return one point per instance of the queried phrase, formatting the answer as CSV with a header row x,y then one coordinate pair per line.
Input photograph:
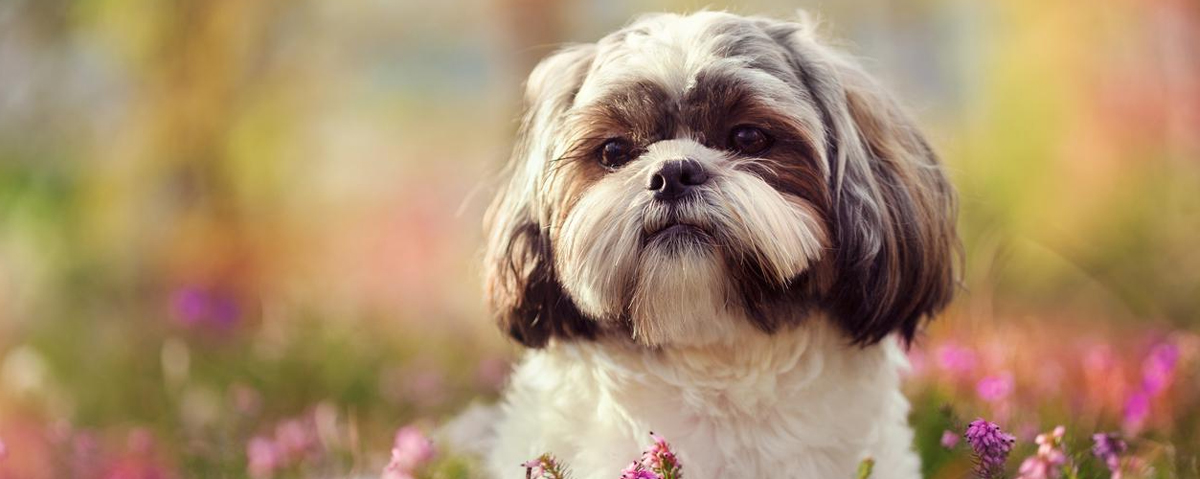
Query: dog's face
x,y
690,179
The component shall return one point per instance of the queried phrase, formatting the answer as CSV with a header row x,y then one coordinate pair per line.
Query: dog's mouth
x,y
678,232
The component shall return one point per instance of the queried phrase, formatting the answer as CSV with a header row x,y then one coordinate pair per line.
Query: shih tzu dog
x,y
720,229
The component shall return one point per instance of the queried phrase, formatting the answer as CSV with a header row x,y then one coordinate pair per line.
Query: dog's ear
x,y
896,250
522,287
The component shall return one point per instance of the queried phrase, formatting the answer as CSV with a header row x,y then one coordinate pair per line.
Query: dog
x,y
720,229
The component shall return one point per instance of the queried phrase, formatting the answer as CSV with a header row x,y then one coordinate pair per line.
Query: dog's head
x,y
689,179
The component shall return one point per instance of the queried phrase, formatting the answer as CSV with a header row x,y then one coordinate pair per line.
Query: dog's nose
x,y
676,178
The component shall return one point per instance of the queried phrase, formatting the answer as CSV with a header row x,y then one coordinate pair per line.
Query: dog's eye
x,y
615,152
749,140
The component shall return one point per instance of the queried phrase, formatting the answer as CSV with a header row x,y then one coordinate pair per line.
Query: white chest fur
x,y
800,403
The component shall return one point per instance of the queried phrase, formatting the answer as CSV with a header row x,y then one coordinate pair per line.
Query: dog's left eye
x,y
749,140
616,152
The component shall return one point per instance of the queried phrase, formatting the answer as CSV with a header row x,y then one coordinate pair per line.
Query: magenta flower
x,y
1158,369
949,439
1108,448
410,450
955,359
995,388
991,446
1137,409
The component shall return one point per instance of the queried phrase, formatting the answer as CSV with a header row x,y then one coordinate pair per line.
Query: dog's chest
x,y
756,425
808,408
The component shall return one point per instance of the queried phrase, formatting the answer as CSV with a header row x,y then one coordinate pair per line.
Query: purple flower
x,y
190,304
195,306
1108,447
995,388
991,446
949,439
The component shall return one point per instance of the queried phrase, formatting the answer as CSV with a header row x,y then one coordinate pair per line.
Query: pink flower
x,y
1049,460
294,439
545,467
533,467
1158,369
955,359
995,388
85,454
410,450
636,471
1137,409
264,457
660,459
3,449
949,439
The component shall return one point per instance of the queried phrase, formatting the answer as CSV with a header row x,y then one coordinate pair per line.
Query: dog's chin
x,y
683,295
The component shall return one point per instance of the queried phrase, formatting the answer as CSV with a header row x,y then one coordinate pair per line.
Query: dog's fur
x,y
760,335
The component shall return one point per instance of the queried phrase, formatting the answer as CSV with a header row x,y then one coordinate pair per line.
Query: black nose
x,y
676,178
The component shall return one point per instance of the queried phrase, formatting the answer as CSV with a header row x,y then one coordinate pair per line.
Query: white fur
x,y
800,403
673,296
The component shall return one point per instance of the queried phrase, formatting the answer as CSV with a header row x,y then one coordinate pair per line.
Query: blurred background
x,y
241,238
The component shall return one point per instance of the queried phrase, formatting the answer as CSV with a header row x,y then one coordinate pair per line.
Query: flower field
x,y
241,239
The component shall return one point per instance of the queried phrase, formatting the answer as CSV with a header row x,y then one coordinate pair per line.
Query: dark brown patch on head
x,y
642,112
721,101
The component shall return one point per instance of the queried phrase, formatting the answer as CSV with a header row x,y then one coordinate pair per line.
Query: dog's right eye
x,y
615,152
